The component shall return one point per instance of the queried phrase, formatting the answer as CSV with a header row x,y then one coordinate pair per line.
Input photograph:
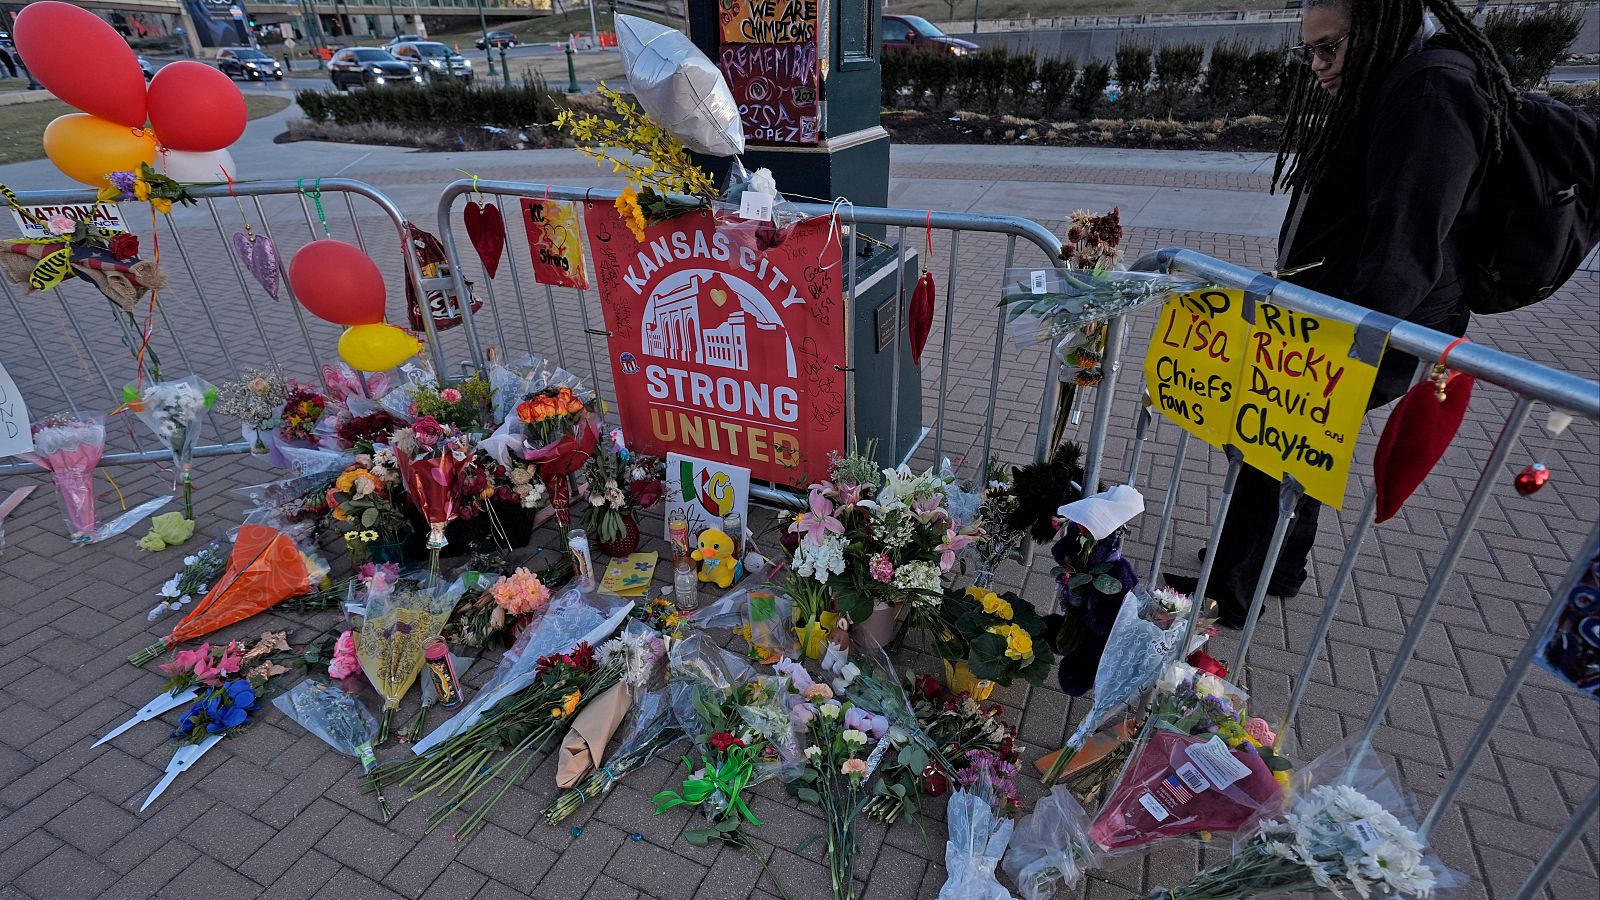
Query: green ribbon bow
x,y
729,779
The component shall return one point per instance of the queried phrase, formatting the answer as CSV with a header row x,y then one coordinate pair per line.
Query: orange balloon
x,y
88,149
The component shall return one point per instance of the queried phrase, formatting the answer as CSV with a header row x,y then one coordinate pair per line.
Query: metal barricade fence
x,y
982,233
80,347
1527,382
243,328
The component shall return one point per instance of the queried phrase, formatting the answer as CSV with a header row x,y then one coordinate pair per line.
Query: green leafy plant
x,y
1265,80
1022,71
515,106
1536,39
1133,77
999,636
1225,77
989,73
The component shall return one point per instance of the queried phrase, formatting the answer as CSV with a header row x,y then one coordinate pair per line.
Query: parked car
x,y
248,63
500,40
434,60
903,34
369,67
144,66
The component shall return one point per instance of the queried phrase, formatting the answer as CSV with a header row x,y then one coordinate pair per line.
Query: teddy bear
x,y
714,551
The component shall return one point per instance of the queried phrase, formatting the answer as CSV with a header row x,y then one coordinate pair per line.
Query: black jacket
x,y
1387,218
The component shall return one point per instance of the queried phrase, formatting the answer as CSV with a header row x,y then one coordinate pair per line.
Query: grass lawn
x,y
22,126
545,29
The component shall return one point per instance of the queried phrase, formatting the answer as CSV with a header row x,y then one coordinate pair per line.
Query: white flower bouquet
x,y
172,410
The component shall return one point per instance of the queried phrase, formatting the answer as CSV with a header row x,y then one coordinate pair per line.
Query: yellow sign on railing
x,y
1289,390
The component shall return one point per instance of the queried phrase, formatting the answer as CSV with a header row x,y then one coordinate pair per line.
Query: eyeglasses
x,y
1327,51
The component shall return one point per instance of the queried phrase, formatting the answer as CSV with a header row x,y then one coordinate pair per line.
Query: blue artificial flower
x,y
241,694
232,717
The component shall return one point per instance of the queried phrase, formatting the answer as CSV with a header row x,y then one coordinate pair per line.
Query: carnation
x,y
520,593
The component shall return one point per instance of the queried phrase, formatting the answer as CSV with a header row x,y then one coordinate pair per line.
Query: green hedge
x,y
1536,40
509,107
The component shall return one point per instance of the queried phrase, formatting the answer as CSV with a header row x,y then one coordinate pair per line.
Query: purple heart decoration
x,y
260,257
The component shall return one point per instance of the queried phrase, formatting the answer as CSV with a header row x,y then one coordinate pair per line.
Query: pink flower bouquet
x,y
70,448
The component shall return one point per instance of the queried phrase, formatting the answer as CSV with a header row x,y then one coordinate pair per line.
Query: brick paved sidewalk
x,y
275,814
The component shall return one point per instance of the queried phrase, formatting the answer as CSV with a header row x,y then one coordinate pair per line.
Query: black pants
x,y
1253,513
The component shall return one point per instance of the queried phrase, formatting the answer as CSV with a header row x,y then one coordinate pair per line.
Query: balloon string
x,y
927,228
249,235
150,313
121,500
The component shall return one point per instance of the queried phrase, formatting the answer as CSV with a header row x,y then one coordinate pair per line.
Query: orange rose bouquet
x,y
559,436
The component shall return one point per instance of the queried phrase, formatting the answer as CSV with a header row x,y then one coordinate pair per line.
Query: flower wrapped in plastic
x,y
69,448
1043,304
433,460
340,720
173,411
1050,850
550,426
979,828
269,563
1350,828
400,617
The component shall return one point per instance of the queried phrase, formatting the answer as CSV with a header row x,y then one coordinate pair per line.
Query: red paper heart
x,y
919,315
487,230
1414,438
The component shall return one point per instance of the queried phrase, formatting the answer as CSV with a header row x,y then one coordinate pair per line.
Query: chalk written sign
x,y
768,21
105,216
776,89
1289,390
553,243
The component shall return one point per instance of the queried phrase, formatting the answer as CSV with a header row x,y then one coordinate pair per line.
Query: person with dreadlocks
x,y
1403,106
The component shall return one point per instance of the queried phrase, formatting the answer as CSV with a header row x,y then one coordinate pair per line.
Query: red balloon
x,y
195,108
82,60
338,283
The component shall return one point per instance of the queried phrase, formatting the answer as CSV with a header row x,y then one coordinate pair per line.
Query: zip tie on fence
x,y
474,184
316,197
833,225
599,332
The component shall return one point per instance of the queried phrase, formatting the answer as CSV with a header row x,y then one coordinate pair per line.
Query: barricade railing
x,y
951,224
1527,381
234,329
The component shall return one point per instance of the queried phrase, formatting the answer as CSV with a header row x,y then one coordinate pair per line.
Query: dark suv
x,y
369,67
248,63
500,40
434,60
903,34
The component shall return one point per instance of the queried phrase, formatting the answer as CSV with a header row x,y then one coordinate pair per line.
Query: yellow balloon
x,y
88,148
377,347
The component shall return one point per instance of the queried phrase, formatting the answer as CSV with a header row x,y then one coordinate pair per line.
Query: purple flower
x,y
123,181
798,677
801,714
871,723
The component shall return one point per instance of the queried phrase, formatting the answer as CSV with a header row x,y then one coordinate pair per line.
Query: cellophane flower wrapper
x,y
514,380
398,399
1072,299
69,448
697,665
175,412
1050,849
1136,651
570,618
399,619
1177,785
1341,816
976,842
331,713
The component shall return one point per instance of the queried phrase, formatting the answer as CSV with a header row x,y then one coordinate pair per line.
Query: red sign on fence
x,y
775,86
553,243
723,350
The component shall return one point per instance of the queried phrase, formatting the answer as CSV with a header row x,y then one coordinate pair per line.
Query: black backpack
x,y
1539,204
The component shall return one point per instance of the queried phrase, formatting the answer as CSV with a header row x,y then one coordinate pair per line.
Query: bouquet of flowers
x,y
498,605
516,729
69,448
208,666
363,503
844,744
200,570
222,711
363,431
979,820
737,722
172,409
303,406
650,729
1050,849
620,481
256,400
400,617
1197,768
997,509
1091,579
557,437
432,459
341,721
878,539
960,727
988,637
466,404
1349,828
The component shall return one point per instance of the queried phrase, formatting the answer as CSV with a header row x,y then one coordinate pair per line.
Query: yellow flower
x,y
569,703
1019,644
141,189
995,605
347,479
632,216
161,205
1283,777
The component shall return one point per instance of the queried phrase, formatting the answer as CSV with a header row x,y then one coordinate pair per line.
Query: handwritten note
x,y
16,433
768,21
1283,387
777,89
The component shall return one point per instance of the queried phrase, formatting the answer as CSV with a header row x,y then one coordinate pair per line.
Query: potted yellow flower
x,y
989,639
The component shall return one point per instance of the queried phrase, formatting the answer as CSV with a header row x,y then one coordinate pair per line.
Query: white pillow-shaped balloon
x,y
679,87
190,167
